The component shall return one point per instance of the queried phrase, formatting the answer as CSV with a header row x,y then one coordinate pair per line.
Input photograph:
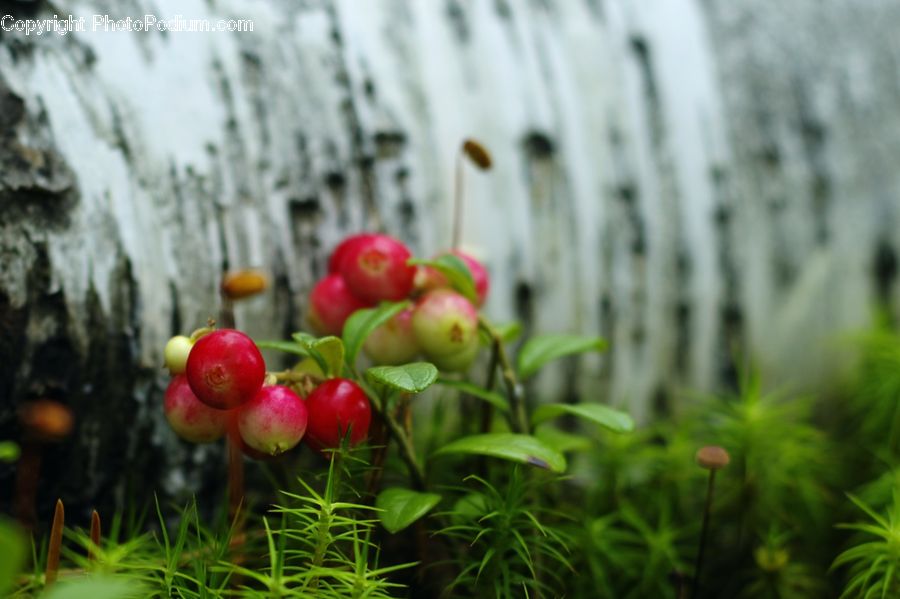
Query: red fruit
x,y
273,421
446,326
192,419
331,304
335,407
375,269
394,342
225,369
343,248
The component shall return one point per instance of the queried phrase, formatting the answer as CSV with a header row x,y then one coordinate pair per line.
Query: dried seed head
x,y
712,457
243,283
46,420
478,154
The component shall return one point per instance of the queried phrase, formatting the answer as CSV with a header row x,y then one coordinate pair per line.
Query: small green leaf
x,y
96,587
412,378
362,322
401,507
614,420
537,351
562,441
457,272
9,451
509,331
331,350
291,347
524,449
492,397
12,548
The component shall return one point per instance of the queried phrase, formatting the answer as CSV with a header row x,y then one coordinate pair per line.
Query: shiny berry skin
x,y
446,325
273,421
225,369
375,269
331,304
394,342
176,354
335,407
343,248
190,418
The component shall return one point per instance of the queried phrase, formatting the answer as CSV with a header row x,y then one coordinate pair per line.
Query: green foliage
x,y
524,449
455,270
874,563
12,548
361,324
541,349
510,550
410,378
605,416
401,507
9,451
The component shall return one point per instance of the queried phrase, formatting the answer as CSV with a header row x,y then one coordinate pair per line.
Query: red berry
x,y
446,325
343,248
331,304
225,369
375,269
192,419
273,421
335,407
394,342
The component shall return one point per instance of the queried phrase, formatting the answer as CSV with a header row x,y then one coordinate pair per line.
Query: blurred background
x,y
694,180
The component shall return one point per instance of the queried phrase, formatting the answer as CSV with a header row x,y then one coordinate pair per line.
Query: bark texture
x,y
683,177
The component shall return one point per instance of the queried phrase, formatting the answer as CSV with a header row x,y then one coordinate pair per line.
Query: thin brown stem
x,y
27,475
458,202
235,479
95,536
707,508
518,418
55,545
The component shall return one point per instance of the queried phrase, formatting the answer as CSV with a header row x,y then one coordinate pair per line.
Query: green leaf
x,y
401,507
457,272
328,352
524,449
492,397
9,451
614,420
331,350
96,587
509,331
291,347
537,351
362,322
412,378
12,548
562,441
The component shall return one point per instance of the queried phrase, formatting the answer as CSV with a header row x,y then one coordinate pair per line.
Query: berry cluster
x,y
368,268
218,388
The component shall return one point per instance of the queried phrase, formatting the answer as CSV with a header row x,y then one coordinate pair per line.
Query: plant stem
x,y
518,418
458,201
707,508
235,479
95,536
56,533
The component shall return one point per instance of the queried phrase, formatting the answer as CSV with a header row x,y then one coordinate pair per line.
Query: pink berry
x,y
331,304
225,369
273,421
343,248
190,418
394,342
336,407
446,325
375,269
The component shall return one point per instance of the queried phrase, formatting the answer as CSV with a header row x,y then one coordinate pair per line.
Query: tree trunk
x,y
688,179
